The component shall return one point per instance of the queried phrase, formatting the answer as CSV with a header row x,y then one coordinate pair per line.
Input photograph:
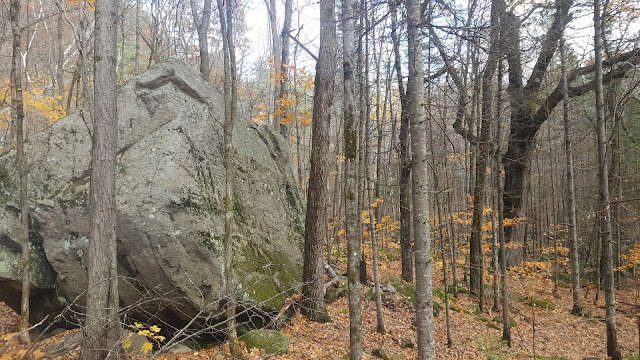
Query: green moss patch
x,y
267,277
273,342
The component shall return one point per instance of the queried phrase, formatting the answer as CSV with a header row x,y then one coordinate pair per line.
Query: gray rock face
x,y
170,193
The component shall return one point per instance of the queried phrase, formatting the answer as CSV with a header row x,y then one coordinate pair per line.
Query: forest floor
x,y
547,330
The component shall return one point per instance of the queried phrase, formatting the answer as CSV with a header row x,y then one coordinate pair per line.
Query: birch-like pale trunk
x,y
420,186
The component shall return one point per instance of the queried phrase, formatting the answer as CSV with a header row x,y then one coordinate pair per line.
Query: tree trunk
x,y
137,58
313,279
275,56
230,106
405,160
371,200
420,187
284,60
605,217
102,323
60,61
353,230
18,110
202,27
571,198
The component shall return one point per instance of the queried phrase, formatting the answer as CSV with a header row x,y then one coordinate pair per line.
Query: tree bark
x,y
275,54
420,186
605,216
137,56
202,27
225,15
284,60
313,279
353,230
571,198
102,324
18,110
405,157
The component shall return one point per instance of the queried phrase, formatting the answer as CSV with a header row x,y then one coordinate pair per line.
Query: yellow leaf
x,y
154,328
146,347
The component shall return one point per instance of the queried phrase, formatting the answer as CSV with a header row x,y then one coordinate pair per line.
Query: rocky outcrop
x,y
170,191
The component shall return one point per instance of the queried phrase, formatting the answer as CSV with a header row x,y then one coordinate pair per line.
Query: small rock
x,y
380,353
388,288
407,343
180,348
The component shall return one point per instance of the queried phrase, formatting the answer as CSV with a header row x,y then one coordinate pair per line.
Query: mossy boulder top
x,y
170,202
271,341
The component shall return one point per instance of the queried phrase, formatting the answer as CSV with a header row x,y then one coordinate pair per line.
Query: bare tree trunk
x,y
405,160
275,55
102,324
371,200
494,256
420,187
137,59
230,105
313,287
605,217
18,110
284,61
202,27
60,61
571,198
375,213
504,291
352,216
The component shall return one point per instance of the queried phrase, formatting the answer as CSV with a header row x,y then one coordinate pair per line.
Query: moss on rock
x,y
273,342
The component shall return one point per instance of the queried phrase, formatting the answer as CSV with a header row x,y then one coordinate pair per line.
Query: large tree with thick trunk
x,y
531,105
313,288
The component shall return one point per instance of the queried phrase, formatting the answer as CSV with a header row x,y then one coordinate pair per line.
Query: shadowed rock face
x,y
170,193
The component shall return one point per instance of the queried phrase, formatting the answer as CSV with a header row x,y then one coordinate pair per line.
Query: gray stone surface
x,y
170,193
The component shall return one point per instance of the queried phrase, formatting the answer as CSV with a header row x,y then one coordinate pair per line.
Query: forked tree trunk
x,y
102,323
313,280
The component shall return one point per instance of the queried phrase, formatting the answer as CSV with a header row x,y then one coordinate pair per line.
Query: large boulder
x,y
170,193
